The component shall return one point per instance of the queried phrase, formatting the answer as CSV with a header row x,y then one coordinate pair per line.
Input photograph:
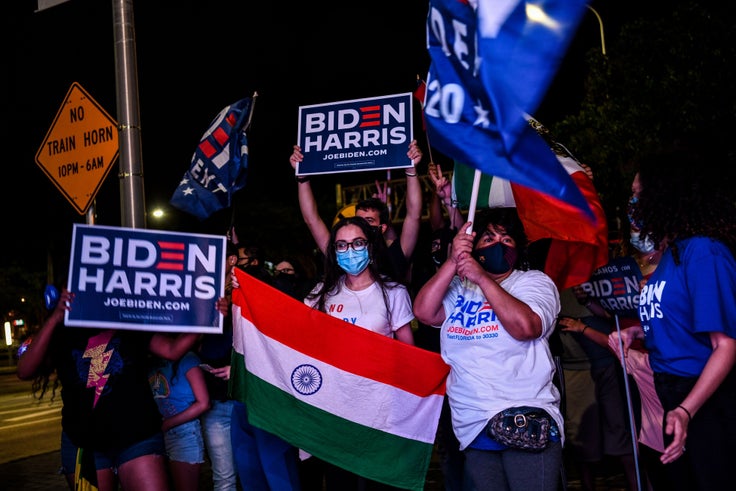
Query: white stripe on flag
x,y
351,397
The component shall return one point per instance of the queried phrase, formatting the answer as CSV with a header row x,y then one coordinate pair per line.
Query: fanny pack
x,y
523,427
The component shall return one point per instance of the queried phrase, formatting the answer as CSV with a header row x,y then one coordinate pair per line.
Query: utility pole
x,y
130,163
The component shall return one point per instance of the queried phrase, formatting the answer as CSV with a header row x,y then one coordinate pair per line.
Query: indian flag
x,y
351,397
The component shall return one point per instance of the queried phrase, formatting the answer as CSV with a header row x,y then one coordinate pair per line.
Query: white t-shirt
x,y
490,370
366,308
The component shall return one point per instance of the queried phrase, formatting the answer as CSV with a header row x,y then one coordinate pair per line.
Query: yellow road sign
x,y
79,148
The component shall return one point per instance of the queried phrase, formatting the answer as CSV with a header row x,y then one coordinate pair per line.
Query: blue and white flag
x,y
219,163
491,64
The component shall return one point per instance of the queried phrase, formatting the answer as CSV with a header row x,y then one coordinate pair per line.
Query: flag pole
x,y
629,404
388,193
250,112
473,199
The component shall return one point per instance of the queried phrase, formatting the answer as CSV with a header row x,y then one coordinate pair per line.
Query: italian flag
x,y
354,398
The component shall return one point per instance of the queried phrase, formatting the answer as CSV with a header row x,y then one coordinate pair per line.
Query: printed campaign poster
x,y
145,280
616,286
357,135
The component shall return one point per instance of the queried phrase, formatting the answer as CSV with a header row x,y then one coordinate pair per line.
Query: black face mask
x,y
497,258
441,240
284,279
439,257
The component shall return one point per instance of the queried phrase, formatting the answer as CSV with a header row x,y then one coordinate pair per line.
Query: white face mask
x,y
644,246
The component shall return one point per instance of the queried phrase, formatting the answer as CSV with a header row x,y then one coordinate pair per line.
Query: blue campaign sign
x,y
146,280
616,286
357,135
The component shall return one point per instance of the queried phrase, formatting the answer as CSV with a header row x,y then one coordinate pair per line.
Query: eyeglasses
x,y
286,271
245,259
357,245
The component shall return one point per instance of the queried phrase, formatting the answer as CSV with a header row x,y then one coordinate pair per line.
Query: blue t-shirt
x,y
170,386
681,304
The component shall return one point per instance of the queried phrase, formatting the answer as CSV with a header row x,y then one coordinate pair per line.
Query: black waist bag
x,y
524,427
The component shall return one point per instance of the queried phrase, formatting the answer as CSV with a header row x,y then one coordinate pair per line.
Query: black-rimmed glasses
x,y
357,245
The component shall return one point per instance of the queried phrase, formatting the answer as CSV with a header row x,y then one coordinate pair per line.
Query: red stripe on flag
x,y
221,136
336,342
578,245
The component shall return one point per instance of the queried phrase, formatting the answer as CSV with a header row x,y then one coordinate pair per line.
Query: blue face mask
x,y
645,246
353,262
497,258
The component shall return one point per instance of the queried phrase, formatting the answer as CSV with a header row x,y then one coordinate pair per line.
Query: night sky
x,y
193,59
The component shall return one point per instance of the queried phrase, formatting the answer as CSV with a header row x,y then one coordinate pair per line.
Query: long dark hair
x,y
333,272
682,195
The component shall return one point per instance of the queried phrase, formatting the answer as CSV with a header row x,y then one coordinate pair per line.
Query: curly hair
x,y
46,379
679,198
508,219
333,272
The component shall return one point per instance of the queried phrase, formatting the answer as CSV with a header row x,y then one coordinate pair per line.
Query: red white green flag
x,y
354,398
578,246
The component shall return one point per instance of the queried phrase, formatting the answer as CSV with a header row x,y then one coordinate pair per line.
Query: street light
x,y
600,23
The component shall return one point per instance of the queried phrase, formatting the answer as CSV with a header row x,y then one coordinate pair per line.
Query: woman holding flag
x,y
496,316
353,289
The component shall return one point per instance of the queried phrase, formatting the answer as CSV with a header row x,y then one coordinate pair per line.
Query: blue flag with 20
x,y
491,64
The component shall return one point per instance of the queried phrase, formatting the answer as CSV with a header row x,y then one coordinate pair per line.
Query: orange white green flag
x,y
359,400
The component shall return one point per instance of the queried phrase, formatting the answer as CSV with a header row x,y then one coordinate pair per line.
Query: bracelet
x,y
583,331
689,418
410,175
302,178
454,203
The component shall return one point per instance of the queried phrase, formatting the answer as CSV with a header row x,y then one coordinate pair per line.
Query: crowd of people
x,y
648,373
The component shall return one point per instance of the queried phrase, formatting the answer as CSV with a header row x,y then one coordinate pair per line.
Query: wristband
x,y
410,175
302,178
689,418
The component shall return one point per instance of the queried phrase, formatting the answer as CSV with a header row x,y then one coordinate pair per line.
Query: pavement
x,y
40,473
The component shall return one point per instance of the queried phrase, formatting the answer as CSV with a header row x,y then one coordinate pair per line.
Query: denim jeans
x,y
216,431
264,461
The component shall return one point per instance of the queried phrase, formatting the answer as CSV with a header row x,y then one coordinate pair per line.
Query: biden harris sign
x,y
146,280
356,135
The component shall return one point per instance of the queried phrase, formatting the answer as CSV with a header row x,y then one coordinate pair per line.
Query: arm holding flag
x,y
428,307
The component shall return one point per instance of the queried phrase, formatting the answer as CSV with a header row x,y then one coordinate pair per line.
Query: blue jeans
x,y
264,461
68,455
184,443
216,431
112,459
